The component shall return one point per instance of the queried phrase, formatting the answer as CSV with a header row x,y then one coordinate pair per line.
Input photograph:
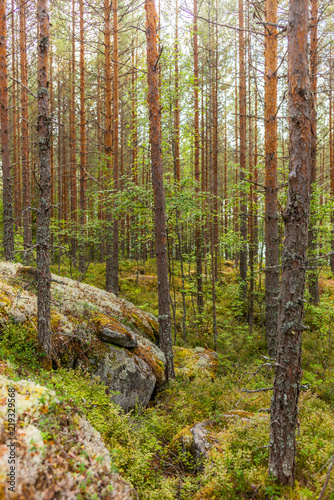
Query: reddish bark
x,y
115,240
312,242
108,129
242,158
73,156
198,236
8,221
83,174
284,408
26,194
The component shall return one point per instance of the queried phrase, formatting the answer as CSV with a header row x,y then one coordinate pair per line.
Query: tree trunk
x,y
26,195
165,338
284,408
242,159
73,156
8,221
16,156
44,207
115,238
331,155
83,175
198,236
108,132
312,236
271,218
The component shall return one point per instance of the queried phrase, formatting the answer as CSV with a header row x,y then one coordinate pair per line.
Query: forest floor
x,y
149,446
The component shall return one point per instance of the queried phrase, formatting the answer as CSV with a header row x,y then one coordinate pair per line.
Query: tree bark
x,y
312,235
83,175
16,157
198,236
284,409
165,337
73,156
271,217
44,207
242,159
115,239
331,154
26,194
7,195
108,131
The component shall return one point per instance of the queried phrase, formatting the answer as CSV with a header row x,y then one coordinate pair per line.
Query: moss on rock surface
x,y
83,319
198,361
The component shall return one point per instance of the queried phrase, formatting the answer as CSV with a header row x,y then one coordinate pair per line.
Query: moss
x,y
193,362
101,321
207,493
27,272
142,326
146,354
183,438
55,321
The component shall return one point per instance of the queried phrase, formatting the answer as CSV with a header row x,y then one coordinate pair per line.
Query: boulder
x,y
130,379
202,444
92,329
46,462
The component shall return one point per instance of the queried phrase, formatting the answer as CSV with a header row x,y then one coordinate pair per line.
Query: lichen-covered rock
x,y
67,462
112,331
192,362
87,325
74,301
201,441
195,442
129,378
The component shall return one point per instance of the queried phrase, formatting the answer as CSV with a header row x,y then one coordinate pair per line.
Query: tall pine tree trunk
x,y
198,236
83,175
284,407
312,242
108,132
26,194
165,337
8,221
73,156
242,159
271,218
44,183
115,238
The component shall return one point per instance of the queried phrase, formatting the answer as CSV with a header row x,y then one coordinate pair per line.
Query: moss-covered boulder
x,y
92,329
56,453
192,362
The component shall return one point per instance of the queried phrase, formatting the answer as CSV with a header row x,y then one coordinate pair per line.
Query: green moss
x,y
101,321
146,354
